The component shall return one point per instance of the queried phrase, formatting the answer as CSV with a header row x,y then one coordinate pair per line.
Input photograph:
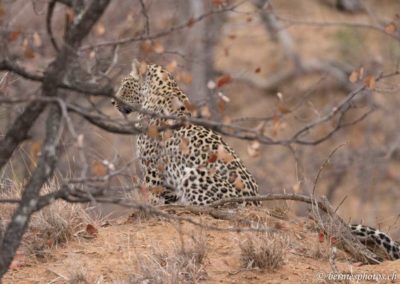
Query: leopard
x,y
191,164
377,241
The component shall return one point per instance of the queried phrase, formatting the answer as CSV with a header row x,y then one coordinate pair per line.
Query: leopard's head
x,y
129,94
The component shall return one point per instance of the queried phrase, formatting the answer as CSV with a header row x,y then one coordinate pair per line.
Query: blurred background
x,y
275,66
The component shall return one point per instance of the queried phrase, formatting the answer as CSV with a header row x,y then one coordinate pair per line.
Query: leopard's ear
x,y
138,69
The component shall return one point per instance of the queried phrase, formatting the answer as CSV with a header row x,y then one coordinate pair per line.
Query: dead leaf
x,y
191,22
223,80
211,85
184,146
91,230
218,3
146,46
205,112
212,171
370,82
69,16
354,76
390,28
13,36
224,155
158,48
152,131
37,40
28,52
185,77
100,29
98,168
2,11
156,189
161,167
254,149
212,157
189,106
167,134
142,68
282,108
35,151
221,105
171,67
296,187
239,183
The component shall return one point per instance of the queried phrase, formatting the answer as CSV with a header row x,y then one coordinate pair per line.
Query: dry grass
x,y
183,265
54,225
263,251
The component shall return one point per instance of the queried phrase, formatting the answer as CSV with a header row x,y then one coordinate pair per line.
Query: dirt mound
x,y
147,249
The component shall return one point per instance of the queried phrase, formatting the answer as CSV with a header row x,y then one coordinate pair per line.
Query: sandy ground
x,y
121,248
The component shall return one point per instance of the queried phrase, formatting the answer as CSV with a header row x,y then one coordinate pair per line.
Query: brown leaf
x,y
100,29
184,146
239,183
212,157
35,151
212,171
167,134
98,168
191,22
232,36
391,28
171,67
152,131
224,155
91,230
142,68
185,77
253,149
156,189
354,76
69,16
221,105
2,11
218,3
189,106
158,48
370,82
282,108
146,46
37,40
223,80
28,52
205,112
161,167
13,36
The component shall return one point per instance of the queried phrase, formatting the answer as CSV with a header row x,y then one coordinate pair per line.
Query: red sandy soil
x,y
118,249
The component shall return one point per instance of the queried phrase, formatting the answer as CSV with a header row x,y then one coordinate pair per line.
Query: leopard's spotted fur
x,y
181,162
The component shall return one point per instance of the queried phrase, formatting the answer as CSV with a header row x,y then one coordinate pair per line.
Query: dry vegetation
x,y
306,92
